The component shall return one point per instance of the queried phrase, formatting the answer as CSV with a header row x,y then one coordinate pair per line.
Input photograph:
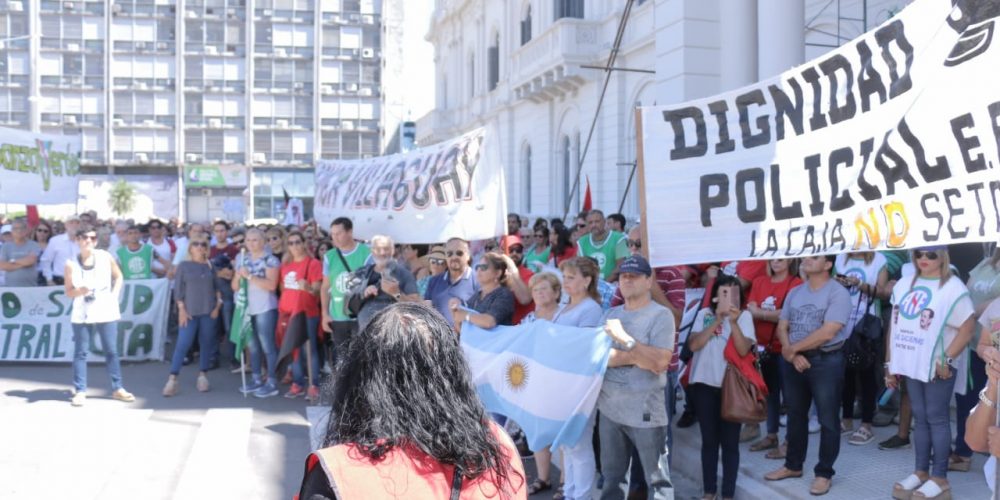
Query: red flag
x,y
32,216
587,203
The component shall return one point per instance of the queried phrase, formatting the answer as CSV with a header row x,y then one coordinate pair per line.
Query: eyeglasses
x,y
437,262
634,243
91,237
490,248
482,267
199,244
455,253
581,226
293,243
919,254
42,230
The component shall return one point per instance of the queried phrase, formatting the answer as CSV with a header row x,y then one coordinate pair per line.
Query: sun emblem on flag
x,y
517,374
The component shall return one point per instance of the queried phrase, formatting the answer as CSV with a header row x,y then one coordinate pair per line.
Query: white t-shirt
x,y
104,306
990,321
709,364
925,320
163,250
867,273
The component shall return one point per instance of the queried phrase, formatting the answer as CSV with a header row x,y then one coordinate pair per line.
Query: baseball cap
x,y
6,229
511,240
636,264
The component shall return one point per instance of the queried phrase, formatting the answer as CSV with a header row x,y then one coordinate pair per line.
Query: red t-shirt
x,y
231,251
292,299
568,254
770,296
522,310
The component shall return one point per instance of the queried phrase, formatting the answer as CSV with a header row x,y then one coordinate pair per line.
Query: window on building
x,y
568,8
526,26
351,6
493,63
526,183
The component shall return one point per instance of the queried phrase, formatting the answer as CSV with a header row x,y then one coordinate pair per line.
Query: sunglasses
x,y
293,243
490,248
516,249
199,244
42,230
581,226
91,237
634,243
482,267
437,262
920,254
455,253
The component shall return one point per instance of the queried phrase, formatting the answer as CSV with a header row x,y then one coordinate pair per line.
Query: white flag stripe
x,y
219,456
545,393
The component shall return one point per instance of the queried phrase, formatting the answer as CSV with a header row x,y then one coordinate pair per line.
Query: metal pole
x,y
597,112
628,185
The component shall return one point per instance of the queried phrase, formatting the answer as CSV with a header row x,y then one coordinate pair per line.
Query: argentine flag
x,y
544,376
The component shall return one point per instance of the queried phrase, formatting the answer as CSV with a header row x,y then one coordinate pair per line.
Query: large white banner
x,y
35,323
37,169
890,141
451,189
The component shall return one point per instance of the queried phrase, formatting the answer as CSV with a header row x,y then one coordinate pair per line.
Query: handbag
x,y
862,347
744,393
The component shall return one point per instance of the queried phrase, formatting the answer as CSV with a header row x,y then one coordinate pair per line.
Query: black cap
x,y
636,264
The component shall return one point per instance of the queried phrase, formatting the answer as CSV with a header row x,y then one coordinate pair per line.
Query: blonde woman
x,y
199,301
931,327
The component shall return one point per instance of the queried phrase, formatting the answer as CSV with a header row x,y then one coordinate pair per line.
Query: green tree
x,y
122,198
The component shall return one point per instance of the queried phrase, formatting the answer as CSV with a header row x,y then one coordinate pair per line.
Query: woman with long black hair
x,y
406,421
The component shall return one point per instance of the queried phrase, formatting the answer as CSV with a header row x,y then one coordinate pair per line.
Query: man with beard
x,y
457,281
606,247
388,281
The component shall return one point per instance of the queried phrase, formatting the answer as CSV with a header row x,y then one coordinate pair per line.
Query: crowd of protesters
x,y
803,318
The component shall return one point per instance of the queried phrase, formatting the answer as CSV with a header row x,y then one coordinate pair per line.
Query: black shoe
x,y
895,443
687,420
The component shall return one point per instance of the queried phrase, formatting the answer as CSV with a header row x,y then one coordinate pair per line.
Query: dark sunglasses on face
x,y
634,243
581,226
516,249
919,254
437,262
482,267
91,237
199,244
455,253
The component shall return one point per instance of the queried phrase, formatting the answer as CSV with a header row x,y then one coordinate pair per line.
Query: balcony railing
x,y
73,81
72,120
282,123
205,85
549,64
214,49
157,47
71,7
284,87
129,9
282,51
72,45
14,80
142,121
281,15
126,83
214,122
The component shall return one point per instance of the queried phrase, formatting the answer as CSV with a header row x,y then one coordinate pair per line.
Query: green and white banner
x,y
38,169
35,325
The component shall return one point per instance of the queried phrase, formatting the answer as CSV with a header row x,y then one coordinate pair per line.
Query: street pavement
x,y
216,445
862,472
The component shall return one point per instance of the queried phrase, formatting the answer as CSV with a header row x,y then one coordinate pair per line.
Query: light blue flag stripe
x,y
581,351
541,432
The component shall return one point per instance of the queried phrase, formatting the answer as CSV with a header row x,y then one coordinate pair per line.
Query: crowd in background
x,y
801,317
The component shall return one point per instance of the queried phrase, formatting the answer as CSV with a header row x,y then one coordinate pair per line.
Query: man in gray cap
x,y
633,413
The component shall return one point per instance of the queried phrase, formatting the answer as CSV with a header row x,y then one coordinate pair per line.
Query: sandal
x,y
769,442
862,436
539,485
558,494
777,453
904,489
932,491
959,463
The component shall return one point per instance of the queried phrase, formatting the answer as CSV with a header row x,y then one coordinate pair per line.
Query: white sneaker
x,y
79,399
814,426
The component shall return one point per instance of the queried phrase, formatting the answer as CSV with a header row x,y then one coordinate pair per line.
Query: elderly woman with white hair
x,y
386,281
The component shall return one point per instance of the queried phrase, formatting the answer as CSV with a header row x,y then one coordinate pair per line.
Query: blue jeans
x,y
965,404
823,383
771,370
617,444
932,426
226,319
82,334
263,339
201,327
299,371
671,389
716,433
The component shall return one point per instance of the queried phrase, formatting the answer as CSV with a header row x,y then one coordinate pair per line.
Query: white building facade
x,y
517,67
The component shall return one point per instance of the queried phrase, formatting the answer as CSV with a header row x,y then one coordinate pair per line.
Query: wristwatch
x,y
629,345
950,361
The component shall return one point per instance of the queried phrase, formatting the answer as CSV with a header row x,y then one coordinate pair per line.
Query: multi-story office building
x,y
152,86
525,69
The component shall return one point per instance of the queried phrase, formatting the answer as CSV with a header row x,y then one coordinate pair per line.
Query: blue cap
x,y
636,264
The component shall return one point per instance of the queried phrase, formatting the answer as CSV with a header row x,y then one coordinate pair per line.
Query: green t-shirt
x,y
534,260
334,269
606,252
136,265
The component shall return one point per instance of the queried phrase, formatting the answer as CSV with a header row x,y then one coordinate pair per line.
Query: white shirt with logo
x,y
925,320
866,273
